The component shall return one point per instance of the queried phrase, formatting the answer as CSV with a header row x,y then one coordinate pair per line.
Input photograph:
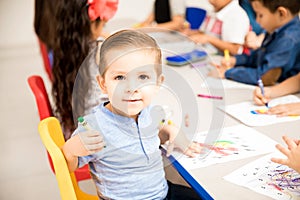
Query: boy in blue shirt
x,y
130,166
279,56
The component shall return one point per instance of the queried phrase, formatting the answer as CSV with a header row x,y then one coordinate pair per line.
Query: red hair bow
x,y
105,9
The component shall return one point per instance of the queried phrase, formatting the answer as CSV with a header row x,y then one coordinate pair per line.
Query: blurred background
x,y
24,170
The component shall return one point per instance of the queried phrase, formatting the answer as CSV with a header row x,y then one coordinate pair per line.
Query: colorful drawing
x,y
268,178
259,111
253,115
221,147
285,179
236,142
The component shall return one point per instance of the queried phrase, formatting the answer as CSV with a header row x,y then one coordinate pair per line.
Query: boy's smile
x,y
131,82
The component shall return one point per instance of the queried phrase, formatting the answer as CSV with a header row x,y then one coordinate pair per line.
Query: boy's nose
x,y
131,86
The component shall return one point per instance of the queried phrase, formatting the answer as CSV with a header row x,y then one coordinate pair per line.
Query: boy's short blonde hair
x,y
128,41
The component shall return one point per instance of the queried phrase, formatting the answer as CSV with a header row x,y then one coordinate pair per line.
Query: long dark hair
x,y
44,21
71,46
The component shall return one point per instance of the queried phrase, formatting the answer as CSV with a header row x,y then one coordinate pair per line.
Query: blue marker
x,y
261,86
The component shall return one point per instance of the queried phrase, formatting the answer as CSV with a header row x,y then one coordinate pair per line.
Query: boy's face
x,y
264,17
131,82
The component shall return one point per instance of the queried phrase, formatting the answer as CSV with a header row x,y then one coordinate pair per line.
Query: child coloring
x,y
278,58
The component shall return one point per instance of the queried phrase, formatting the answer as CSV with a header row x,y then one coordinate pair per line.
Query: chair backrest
x,y
195,16
52,137
46,61
37,86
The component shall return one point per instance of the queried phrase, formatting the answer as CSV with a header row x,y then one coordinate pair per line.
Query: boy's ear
x,y
283,12
160,79
101,83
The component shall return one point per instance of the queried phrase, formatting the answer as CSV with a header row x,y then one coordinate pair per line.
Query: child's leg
x,y
179,192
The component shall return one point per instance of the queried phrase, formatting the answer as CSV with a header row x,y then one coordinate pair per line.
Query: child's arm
x,y
82,144
221,45
177,138
261,99
292,153
226,63
289,109
249,75
289,86
147,22
271,77
254,41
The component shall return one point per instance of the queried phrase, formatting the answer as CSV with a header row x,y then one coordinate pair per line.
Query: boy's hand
x,y
177,139
85,143
289,109
193,149
292,153
228,63
200,38
259,99
218,72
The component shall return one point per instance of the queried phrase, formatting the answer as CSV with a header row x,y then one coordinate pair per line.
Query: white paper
x,y
268,178
243,112
217,83
236,142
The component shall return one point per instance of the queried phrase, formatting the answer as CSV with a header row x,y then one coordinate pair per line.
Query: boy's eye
x,y
120,77
144,77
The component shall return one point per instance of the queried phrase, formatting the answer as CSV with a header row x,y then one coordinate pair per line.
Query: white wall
x,y
133,11
201,4
16,23
16,19
129,12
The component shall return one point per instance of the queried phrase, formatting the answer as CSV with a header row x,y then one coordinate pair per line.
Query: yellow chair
x,y
52,138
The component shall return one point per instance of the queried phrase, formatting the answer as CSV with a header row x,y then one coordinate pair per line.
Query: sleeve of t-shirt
x,y
235,27
177,7
242,74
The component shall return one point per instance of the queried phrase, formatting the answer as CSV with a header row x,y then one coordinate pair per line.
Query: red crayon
x,y
210,96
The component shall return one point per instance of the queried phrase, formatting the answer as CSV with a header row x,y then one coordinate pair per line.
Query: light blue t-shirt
x,y
130,167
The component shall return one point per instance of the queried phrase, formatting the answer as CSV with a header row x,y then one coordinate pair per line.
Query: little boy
x,y
226,30
279,56
129,165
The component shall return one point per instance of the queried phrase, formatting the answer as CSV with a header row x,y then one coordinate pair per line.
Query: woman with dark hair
x,y
79,25
168,14
44,21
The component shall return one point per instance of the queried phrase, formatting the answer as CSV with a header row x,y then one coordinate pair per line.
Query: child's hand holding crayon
x,y
259,98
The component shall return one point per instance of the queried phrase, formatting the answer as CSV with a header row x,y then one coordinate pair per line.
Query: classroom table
x,y
208,181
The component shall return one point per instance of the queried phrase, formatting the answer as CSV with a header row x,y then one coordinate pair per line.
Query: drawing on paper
x,y
222,147
268,178
259,111
253,115
236,142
